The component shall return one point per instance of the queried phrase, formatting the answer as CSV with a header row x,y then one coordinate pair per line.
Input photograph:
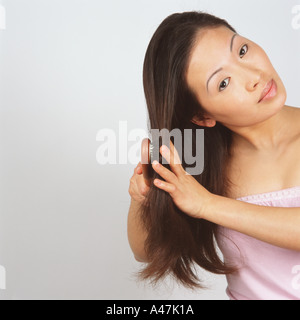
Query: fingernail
x,y
157,182
164,148
155,163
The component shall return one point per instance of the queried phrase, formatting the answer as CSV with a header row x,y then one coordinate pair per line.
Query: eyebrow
x,y
231,46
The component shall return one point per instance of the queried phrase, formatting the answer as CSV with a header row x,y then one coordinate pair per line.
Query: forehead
x,y
211,46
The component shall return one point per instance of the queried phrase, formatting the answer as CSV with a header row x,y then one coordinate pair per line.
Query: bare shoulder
x,y
252,173
295,111
295,127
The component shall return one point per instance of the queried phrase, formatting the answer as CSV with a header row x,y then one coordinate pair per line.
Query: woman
x,y
200,73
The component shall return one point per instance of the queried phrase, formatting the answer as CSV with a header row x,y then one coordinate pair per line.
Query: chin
x,y
280,99
278,102
282,94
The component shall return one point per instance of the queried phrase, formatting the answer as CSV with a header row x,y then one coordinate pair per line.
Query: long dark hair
x,y
177,242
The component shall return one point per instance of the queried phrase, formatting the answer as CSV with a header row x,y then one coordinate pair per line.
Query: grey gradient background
x,y
69,68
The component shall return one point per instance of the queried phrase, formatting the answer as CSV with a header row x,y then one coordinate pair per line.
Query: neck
x,y
266,136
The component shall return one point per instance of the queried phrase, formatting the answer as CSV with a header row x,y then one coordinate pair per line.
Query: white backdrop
x,y
69,68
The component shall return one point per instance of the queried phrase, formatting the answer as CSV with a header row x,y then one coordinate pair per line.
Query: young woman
x,y
199,73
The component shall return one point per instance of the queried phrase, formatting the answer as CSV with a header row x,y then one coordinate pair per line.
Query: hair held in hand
x,y
176,242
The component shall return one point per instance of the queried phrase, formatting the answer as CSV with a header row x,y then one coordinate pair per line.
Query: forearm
x,y
136,233
277,226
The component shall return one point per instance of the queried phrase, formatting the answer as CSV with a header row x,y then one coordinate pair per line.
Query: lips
x,y
266,90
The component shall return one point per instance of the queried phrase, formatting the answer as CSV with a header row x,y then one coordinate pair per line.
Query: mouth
x,y
269,91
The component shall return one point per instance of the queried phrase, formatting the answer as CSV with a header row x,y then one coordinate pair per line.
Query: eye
x,y
243,51
224,84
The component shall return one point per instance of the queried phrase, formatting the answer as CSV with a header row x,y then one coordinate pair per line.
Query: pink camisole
x,y
266,272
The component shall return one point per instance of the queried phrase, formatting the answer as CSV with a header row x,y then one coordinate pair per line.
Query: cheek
x,y
234,100
239,98
226,105
226,112
262,59
234,107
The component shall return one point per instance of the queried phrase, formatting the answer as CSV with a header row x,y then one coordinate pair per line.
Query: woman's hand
x,y
186,192
138,188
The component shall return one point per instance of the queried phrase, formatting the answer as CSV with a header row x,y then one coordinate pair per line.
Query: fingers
x,y
168,175
138,170
168,187
172,156
137,188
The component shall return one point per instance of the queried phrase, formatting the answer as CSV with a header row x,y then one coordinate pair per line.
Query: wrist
x,y
209,206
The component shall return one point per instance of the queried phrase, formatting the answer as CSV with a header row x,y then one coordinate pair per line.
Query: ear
x,y
206,122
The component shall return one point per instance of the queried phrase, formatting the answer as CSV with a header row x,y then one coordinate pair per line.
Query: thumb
x,y
139,169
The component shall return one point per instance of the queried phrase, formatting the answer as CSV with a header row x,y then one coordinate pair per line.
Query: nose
x,y
253,77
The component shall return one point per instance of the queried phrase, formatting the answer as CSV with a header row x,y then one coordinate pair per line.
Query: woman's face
x,y
228,74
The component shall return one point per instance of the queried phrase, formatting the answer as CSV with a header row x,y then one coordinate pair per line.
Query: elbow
x,y
138,251
140,259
